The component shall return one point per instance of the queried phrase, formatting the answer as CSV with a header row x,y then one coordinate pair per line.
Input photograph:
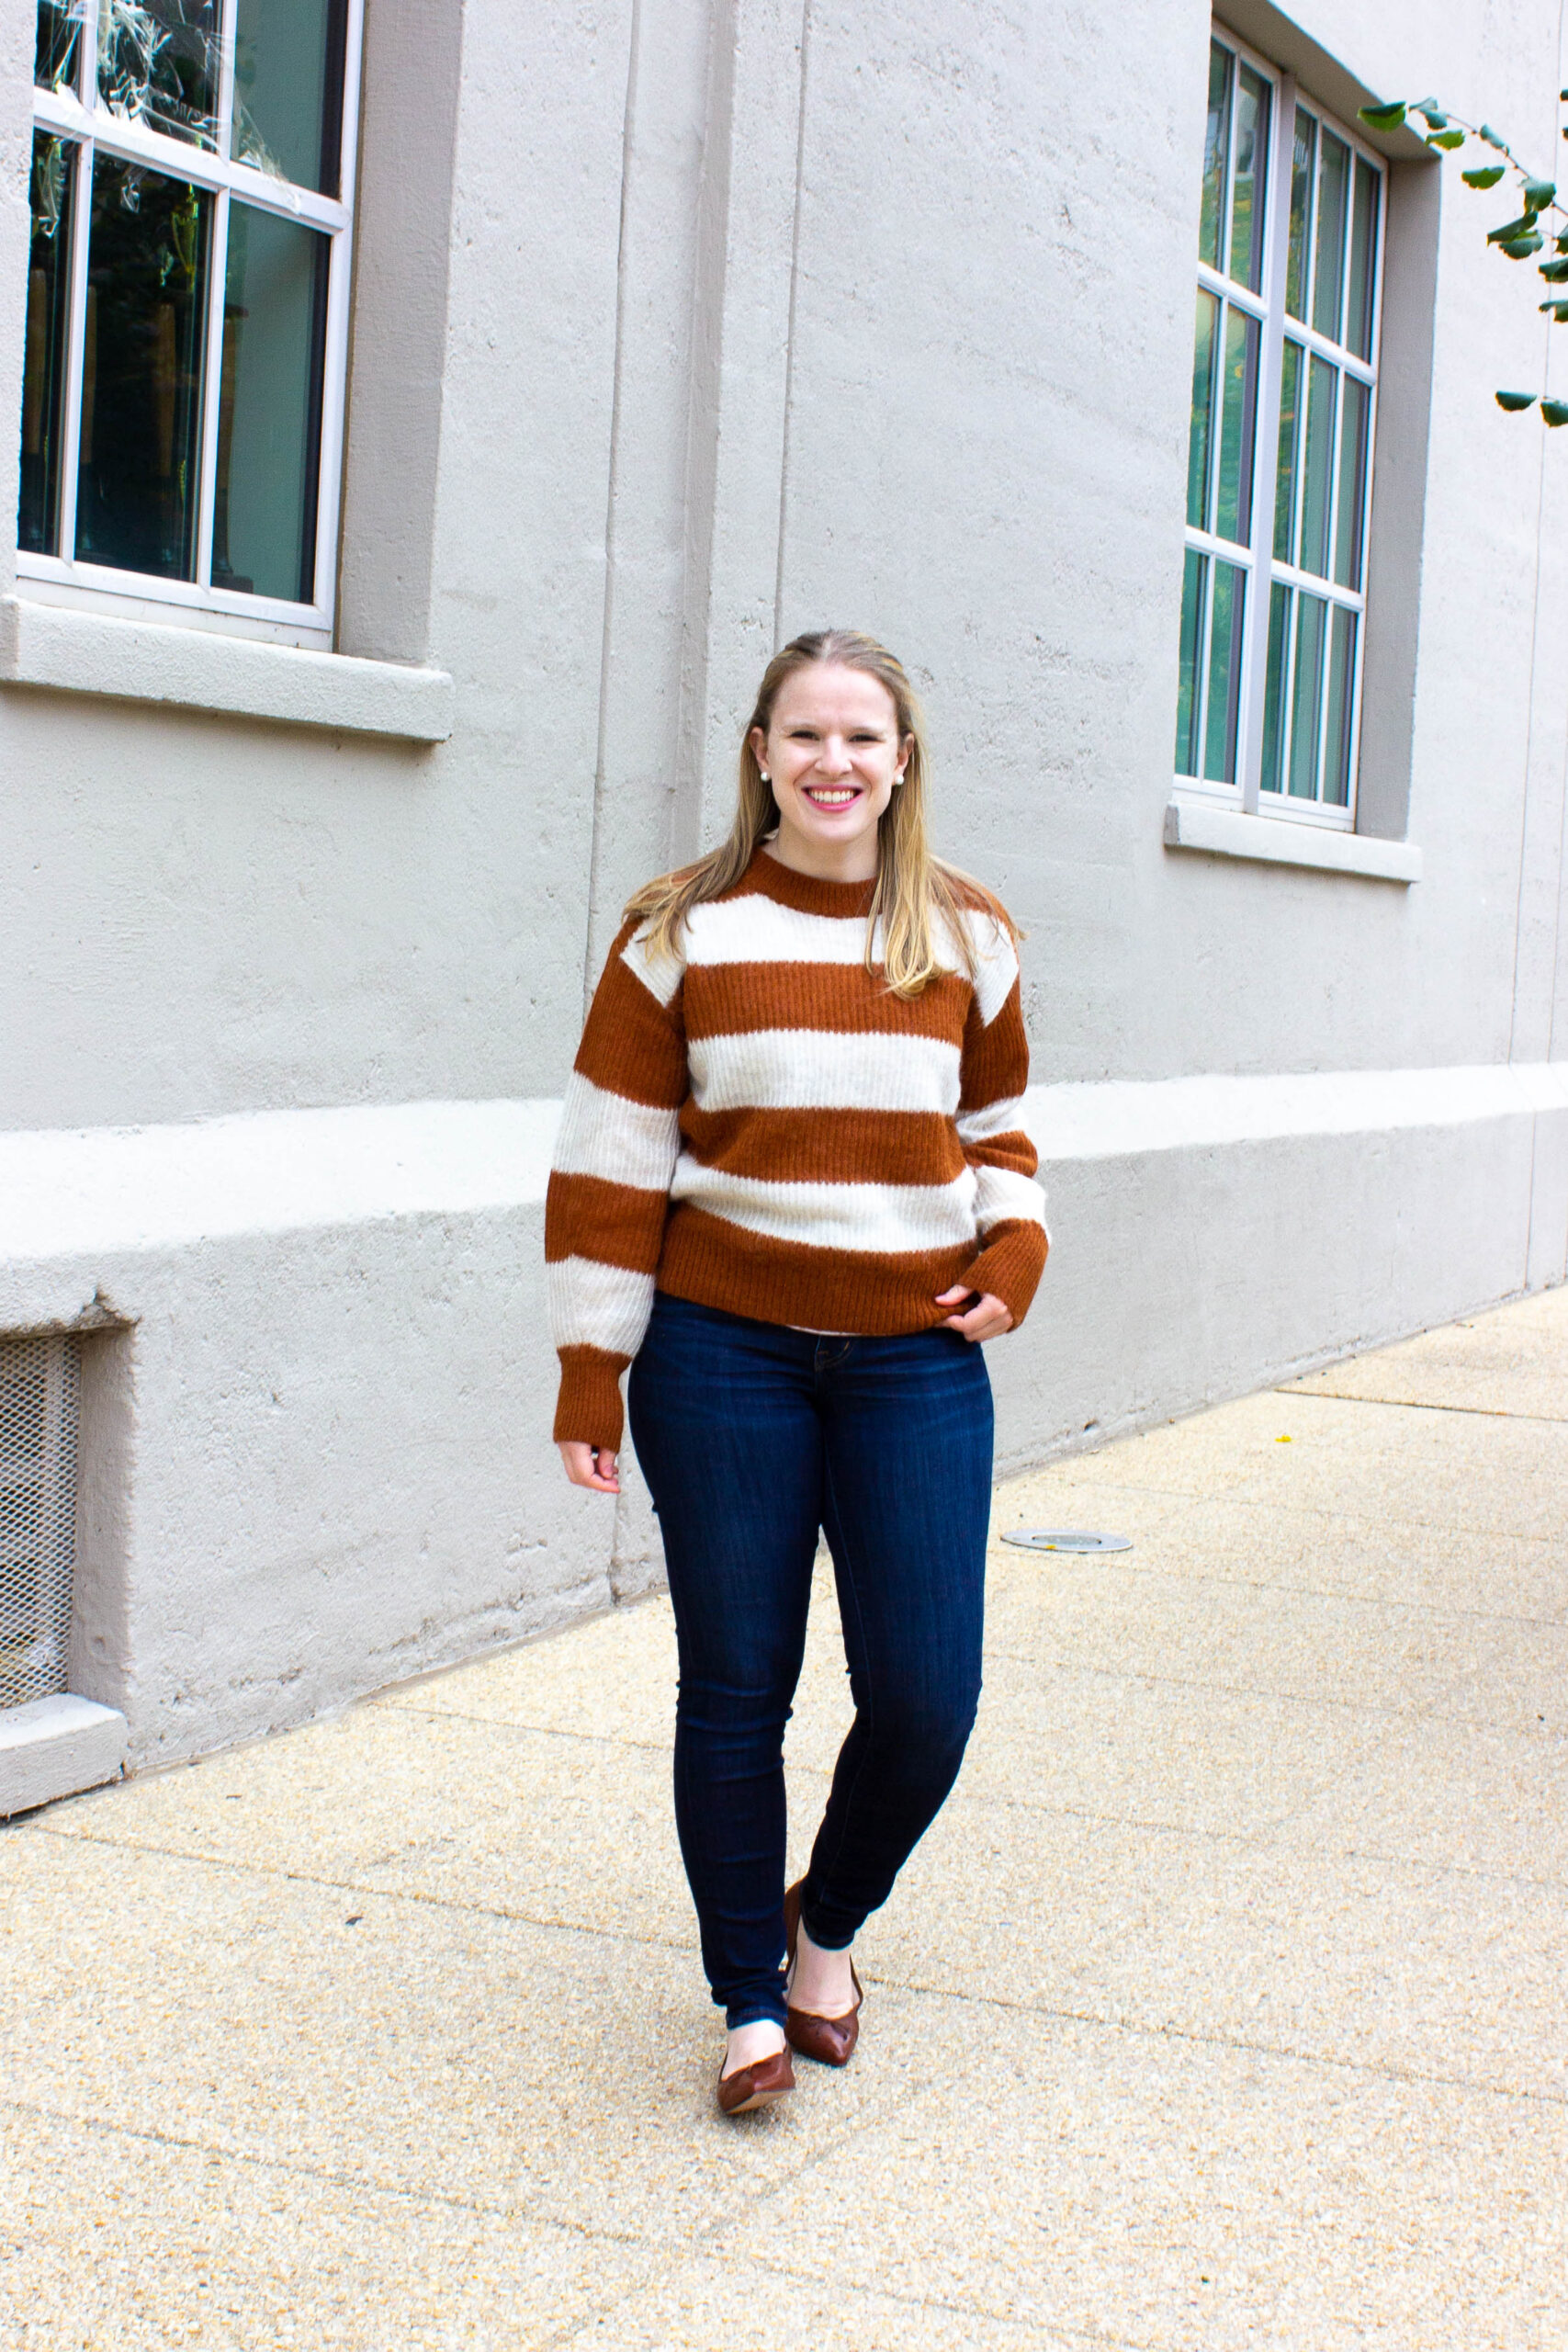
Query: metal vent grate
x,y
38,1515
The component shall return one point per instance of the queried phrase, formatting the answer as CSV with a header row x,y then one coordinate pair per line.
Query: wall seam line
x,y
629,127
789,337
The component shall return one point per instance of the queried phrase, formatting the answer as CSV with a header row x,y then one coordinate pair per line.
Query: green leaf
x,y
1554,272
1559,312
1386,118
1519,228
1521,248
1431,114
1446,138
1487,175
1539,194
1491,138
1514,401
1555,412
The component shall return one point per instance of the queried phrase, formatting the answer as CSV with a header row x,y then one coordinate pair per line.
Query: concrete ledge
x,y
1280,840
51,1747
92,653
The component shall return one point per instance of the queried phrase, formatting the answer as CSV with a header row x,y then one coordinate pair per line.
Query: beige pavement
x,y
1224,2007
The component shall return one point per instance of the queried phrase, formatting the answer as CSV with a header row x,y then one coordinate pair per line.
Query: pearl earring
x,y
765,777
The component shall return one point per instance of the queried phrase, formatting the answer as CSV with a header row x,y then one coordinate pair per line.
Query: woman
x,y
791,1185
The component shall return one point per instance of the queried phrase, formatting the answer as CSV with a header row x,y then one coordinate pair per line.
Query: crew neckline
x,y
806,892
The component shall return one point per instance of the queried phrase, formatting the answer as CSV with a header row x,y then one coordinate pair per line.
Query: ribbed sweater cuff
x,y
1010,1265
588,1409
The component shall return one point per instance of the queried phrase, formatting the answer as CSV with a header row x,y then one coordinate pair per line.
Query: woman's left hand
x,y
986,1320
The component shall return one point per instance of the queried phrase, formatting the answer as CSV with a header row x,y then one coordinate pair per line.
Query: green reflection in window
x,y
288,89
1223,705
1250,188
1199,437
1317,467
1363,261
1274,695
1238,420
1341,687
264,526
1352,495
1193,586
1332,197
1290,443
1217,156
1302,161
43,349
147,266
1307,702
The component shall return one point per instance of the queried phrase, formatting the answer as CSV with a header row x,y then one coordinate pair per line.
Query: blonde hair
x,y
918,897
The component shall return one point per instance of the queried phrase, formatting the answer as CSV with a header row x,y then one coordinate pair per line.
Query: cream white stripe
x,y
813,1069
603,1135
1003,1193
660,975
598,1307
996,965
999,1118
836,1216
758,931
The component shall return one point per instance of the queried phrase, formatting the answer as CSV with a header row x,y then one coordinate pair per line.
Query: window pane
x,y
288,89
1302,161
1317,467
1341,696
1194,584
1351,502
55,50
43,359
1200,433
1363,262
1333,194
264,523
1290,443
147,268
1224,673
1307,703
1249,192
1233,500
158,64
1216,154
1274,698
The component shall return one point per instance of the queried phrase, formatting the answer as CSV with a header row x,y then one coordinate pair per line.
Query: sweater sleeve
x,y
609,1188
1010,1207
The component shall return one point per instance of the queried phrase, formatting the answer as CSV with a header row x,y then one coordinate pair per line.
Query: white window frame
x,y
1256,557
78,116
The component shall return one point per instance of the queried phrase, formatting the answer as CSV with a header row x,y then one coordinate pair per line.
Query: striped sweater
x,y
761,1125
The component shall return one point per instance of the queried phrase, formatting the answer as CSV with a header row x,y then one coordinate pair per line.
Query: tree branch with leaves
x,y
1517,240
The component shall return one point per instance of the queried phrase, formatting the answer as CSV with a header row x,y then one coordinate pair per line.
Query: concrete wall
x,y
681,324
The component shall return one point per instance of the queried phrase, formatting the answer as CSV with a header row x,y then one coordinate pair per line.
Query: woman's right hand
x,y
591,1465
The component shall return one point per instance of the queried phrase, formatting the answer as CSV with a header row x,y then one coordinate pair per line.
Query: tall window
x,y
1284,380
187,293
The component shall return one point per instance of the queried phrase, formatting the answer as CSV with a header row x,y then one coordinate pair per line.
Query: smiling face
x,y
833,752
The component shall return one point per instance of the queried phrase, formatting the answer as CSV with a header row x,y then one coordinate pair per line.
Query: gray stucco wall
x,y
734,319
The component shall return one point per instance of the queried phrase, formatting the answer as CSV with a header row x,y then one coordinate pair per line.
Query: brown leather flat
x,y
758,2085
830,2040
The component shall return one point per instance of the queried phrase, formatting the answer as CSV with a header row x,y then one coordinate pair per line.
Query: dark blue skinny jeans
x,y
751,1438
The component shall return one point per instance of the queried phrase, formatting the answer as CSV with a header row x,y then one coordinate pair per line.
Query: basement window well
x,y
52,1740
39,1390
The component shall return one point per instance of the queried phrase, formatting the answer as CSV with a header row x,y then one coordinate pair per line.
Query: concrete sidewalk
x,y
1224,2007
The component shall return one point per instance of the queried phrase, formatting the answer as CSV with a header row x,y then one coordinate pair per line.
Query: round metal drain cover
x,y
1066,1539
